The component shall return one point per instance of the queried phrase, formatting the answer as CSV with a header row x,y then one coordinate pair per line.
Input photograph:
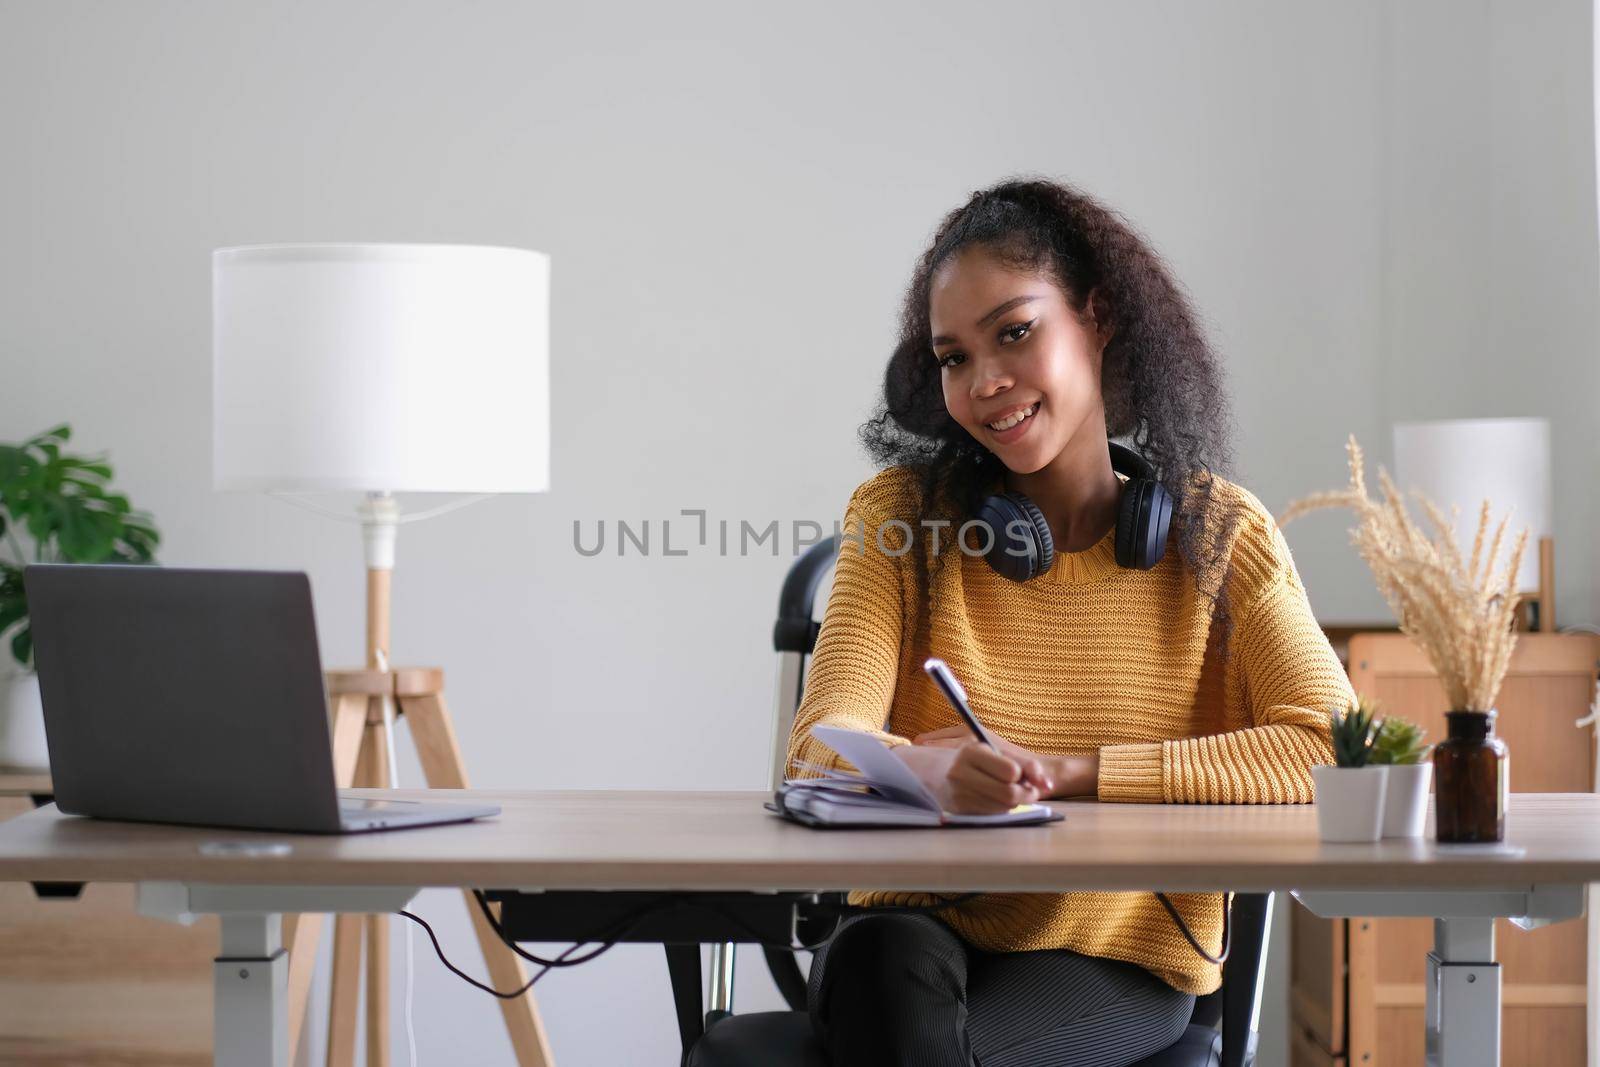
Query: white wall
x,y
733,197
1489,257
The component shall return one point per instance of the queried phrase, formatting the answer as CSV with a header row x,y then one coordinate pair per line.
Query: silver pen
x,y
939,671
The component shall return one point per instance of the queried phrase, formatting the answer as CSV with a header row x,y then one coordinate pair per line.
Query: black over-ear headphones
x,y
1021,546
1144,514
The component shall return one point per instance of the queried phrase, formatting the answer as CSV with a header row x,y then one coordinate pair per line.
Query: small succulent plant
x,y
1398,742
1353,730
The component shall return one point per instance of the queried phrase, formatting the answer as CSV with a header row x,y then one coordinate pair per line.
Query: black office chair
x,y
1221,1032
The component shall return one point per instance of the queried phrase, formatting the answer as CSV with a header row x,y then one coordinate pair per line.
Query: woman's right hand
x,y
973,779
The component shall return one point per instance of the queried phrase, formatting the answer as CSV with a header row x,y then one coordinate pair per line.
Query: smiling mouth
x,y
1011,422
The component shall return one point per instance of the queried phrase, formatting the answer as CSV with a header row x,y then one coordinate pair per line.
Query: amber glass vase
x,y
1470,780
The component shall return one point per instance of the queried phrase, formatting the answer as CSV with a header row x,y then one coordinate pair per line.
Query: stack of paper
x,y
885,793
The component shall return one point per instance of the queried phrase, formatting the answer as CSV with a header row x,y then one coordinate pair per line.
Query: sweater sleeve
x,y
1291,677
850,682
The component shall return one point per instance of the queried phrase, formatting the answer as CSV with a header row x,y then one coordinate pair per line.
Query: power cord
x,y
681,899
614,931
629,921
1183,928
608,937
559,961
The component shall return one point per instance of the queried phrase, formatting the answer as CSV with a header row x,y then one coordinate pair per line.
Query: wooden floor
x,y
91,983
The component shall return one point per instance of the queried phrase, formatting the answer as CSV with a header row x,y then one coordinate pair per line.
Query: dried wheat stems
x,y
1461,612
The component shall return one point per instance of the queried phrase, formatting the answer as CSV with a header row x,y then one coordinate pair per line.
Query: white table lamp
x,y
383,368
1463,461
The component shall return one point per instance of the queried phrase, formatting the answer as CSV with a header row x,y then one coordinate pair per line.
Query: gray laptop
x,y
194,696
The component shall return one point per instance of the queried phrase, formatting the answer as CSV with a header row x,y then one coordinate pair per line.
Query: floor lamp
x,y
379,369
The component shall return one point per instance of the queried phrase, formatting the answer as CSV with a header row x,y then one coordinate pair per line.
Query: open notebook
x,y
885,793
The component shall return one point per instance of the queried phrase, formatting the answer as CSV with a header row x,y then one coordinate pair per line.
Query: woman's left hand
x,y
1070,776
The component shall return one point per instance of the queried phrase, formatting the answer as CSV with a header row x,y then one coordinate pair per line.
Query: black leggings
x,y
903,990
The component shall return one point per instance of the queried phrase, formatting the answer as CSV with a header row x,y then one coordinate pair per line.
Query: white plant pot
x,y
1405,800
22,722
1349,802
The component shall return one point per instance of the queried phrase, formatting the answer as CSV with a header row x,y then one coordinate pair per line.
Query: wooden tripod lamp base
x,y
419,369
361,760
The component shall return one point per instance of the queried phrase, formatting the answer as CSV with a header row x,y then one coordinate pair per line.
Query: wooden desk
x,y
725,841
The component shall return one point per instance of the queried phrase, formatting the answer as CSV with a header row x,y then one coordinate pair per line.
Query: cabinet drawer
x,y
1304,1052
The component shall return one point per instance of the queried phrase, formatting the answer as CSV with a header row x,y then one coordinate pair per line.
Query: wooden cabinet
x,y
1356,992
86,981
1317,989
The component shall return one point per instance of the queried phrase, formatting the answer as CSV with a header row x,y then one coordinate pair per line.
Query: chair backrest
x,y
1235,1007
1244,977
794,635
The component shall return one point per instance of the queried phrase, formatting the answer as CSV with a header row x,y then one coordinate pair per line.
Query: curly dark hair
x,y
1160,381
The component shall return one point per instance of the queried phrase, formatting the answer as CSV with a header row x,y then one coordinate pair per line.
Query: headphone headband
x,y
1125,460
1021,546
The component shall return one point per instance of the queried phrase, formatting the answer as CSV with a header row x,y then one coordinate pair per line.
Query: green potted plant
x,y
61,506
1350,792
1460,610
1398,746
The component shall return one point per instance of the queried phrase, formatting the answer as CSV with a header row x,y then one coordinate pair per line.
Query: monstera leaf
x,y
64,506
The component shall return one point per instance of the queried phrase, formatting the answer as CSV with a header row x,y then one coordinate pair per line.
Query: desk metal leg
x,y
251,995
252,971
1462,1014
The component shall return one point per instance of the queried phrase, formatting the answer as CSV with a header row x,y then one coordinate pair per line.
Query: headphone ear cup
x,y
1160,523
1031,554
1144,518
1043,538
1127,516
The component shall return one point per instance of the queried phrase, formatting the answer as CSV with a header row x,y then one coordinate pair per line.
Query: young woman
x,y
1037,327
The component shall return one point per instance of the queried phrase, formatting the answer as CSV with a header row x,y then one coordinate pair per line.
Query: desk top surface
x,y
628,839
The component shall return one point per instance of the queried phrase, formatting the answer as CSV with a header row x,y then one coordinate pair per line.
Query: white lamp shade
x,y
381,367
1463,461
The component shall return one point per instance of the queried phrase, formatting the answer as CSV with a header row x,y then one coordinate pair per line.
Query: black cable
x,y
463,975
1183,927
1227,932
681,899
614,930
632,919
494,924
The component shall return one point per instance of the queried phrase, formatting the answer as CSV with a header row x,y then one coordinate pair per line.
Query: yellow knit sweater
x,y
1087,656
